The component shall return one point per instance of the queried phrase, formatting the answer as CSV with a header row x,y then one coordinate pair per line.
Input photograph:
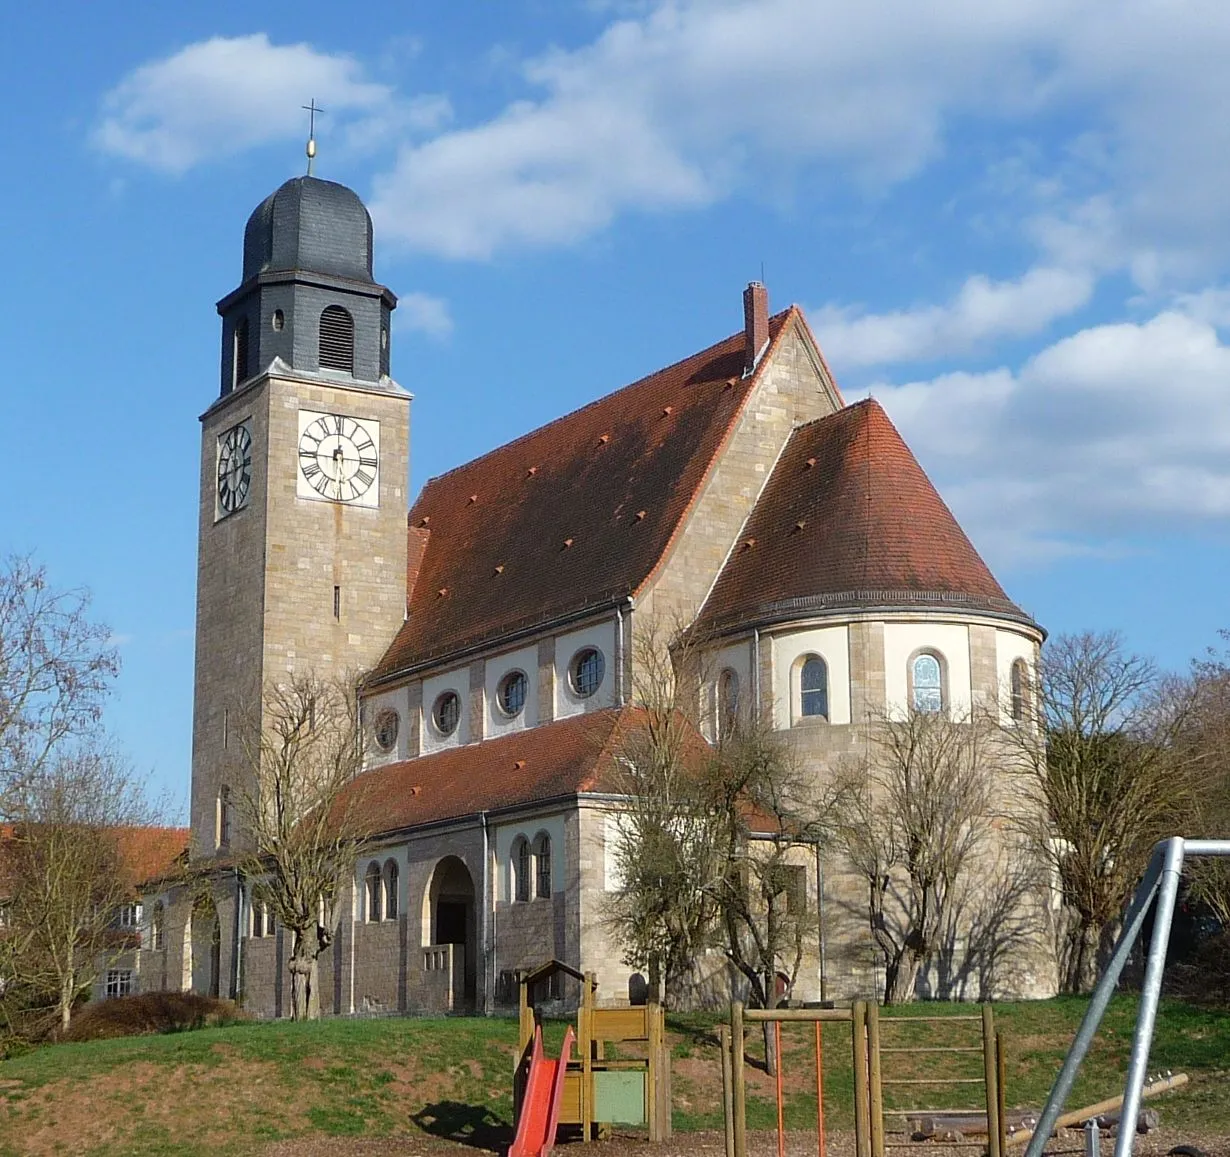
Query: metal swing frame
x,y
1160,882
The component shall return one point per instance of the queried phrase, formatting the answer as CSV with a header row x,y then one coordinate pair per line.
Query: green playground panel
x,y
619,1097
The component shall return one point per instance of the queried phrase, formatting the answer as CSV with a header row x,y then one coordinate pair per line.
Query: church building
x,y
496,619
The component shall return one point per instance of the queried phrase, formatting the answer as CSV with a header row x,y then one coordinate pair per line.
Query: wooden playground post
x,y
1001,1070
990,1072
875,1089
781,1122
820,1088
728,1092
739,1084
862,1107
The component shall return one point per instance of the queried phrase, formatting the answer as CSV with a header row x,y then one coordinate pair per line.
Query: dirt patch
x,y
202,1101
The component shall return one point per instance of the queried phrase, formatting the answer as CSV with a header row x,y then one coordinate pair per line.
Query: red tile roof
x,y
576,514
849,519
553,761
145,852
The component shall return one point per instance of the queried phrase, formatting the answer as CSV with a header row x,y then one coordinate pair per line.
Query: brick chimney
x,y
755,324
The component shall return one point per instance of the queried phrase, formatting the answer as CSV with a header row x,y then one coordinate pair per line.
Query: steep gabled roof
x,y
554,761
849,519
144,852
573,515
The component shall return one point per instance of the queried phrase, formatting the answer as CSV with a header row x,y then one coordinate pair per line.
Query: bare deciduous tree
x,y
65,874
55,668
1109,782
914,815
302,816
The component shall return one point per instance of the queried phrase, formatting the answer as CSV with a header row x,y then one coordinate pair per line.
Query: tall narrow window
x,y
521,869
374,885
542,864
391,885
814,688
239,353
224,816
928,683
157,928
728,701
336,339
337,602
1020,690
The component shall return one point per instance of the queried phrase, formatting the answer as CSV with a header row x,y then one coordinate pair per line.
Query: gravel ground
x,y
839,1144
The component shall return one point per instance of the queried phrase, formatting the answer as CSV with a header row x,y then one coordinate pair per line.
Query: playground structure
x,y
867,1054
594,1091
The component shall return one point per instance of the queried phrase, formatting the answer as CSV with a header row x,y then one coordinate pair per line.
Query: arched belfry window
x,y
927,683
336,339
239,353
814,688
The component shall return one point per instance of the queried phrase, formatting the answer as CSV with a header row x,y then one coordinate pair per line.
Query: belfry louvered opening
x,y
239,360
336,339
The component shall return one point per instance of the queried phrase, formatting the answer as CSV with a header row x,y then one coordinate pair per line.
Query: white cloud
x,y
981,311
222,96
1115,430
423,313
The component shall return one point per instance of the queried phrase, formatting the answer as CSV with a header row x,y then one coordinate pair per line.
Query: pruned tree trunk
x,y
302,970
901,977
68,990
1083,969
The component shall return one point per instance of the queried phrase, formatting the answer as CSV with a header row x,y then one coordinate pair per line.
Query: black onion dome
x,y
311,225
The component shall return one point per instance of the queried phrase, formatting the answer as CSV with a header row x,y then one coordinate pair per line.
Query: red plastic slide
x,y
540,1106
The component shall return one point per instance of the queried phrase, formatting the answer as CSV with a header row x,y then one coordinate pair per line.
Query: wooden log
x,y
1079,1116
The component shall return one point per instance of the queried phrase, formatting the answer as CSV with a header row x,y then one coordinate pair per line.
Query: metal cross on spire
x,y
311,109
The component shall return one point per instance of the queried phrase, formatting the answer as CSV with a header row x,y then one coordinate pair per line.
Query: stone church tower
x,y
304,461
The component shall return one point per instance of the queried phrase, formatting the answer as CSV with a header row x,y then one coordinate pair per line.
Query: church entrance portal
x,y
450,919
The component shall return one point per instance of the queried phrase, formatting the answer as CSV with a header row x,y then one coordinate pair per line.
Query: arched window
x,y
336,339
375,886
542,866
728,701
391,879
157,926
927,683
814,688
1019,681
521,869
239,353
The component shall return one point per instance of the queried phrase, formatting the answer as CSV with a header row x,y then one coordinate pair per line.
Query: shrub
x,y
152,1012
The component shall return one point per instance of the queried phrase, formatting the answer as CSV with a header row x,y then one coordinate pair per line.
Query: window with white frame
x,y
814,688
128,916
262,919
158,926
927,683
119,982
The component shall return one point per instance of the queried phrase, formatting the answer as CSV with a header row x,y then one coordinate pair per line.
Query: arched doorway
x,y
449,917
205,949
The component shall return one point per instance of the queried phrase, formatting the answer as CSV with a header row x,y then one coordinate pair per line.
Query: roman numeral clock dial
x,y
234,469
339,458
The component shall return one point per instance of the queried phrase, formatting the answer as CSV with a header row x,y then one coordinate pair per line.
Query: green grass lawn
x,y
227,1090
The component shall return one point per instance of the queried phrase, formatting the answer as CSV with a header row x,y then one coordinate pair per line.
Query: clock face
x,y
234,469
339,458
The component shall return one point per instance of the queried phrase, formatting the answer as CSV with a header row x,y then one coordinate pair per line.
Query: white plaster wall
x,y
738,658
397,699
951,640
612,831
506,835
458,681
832,644
1009,647
567,701
497,722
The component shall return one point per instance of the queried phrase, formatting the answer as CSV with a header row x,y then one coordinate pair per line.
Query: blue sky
x,y
1005,219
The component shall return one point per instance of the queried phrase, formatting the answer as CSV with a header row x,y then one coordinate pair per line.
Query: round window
x,y
446,713
387,723
586,671
511,693
278,320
